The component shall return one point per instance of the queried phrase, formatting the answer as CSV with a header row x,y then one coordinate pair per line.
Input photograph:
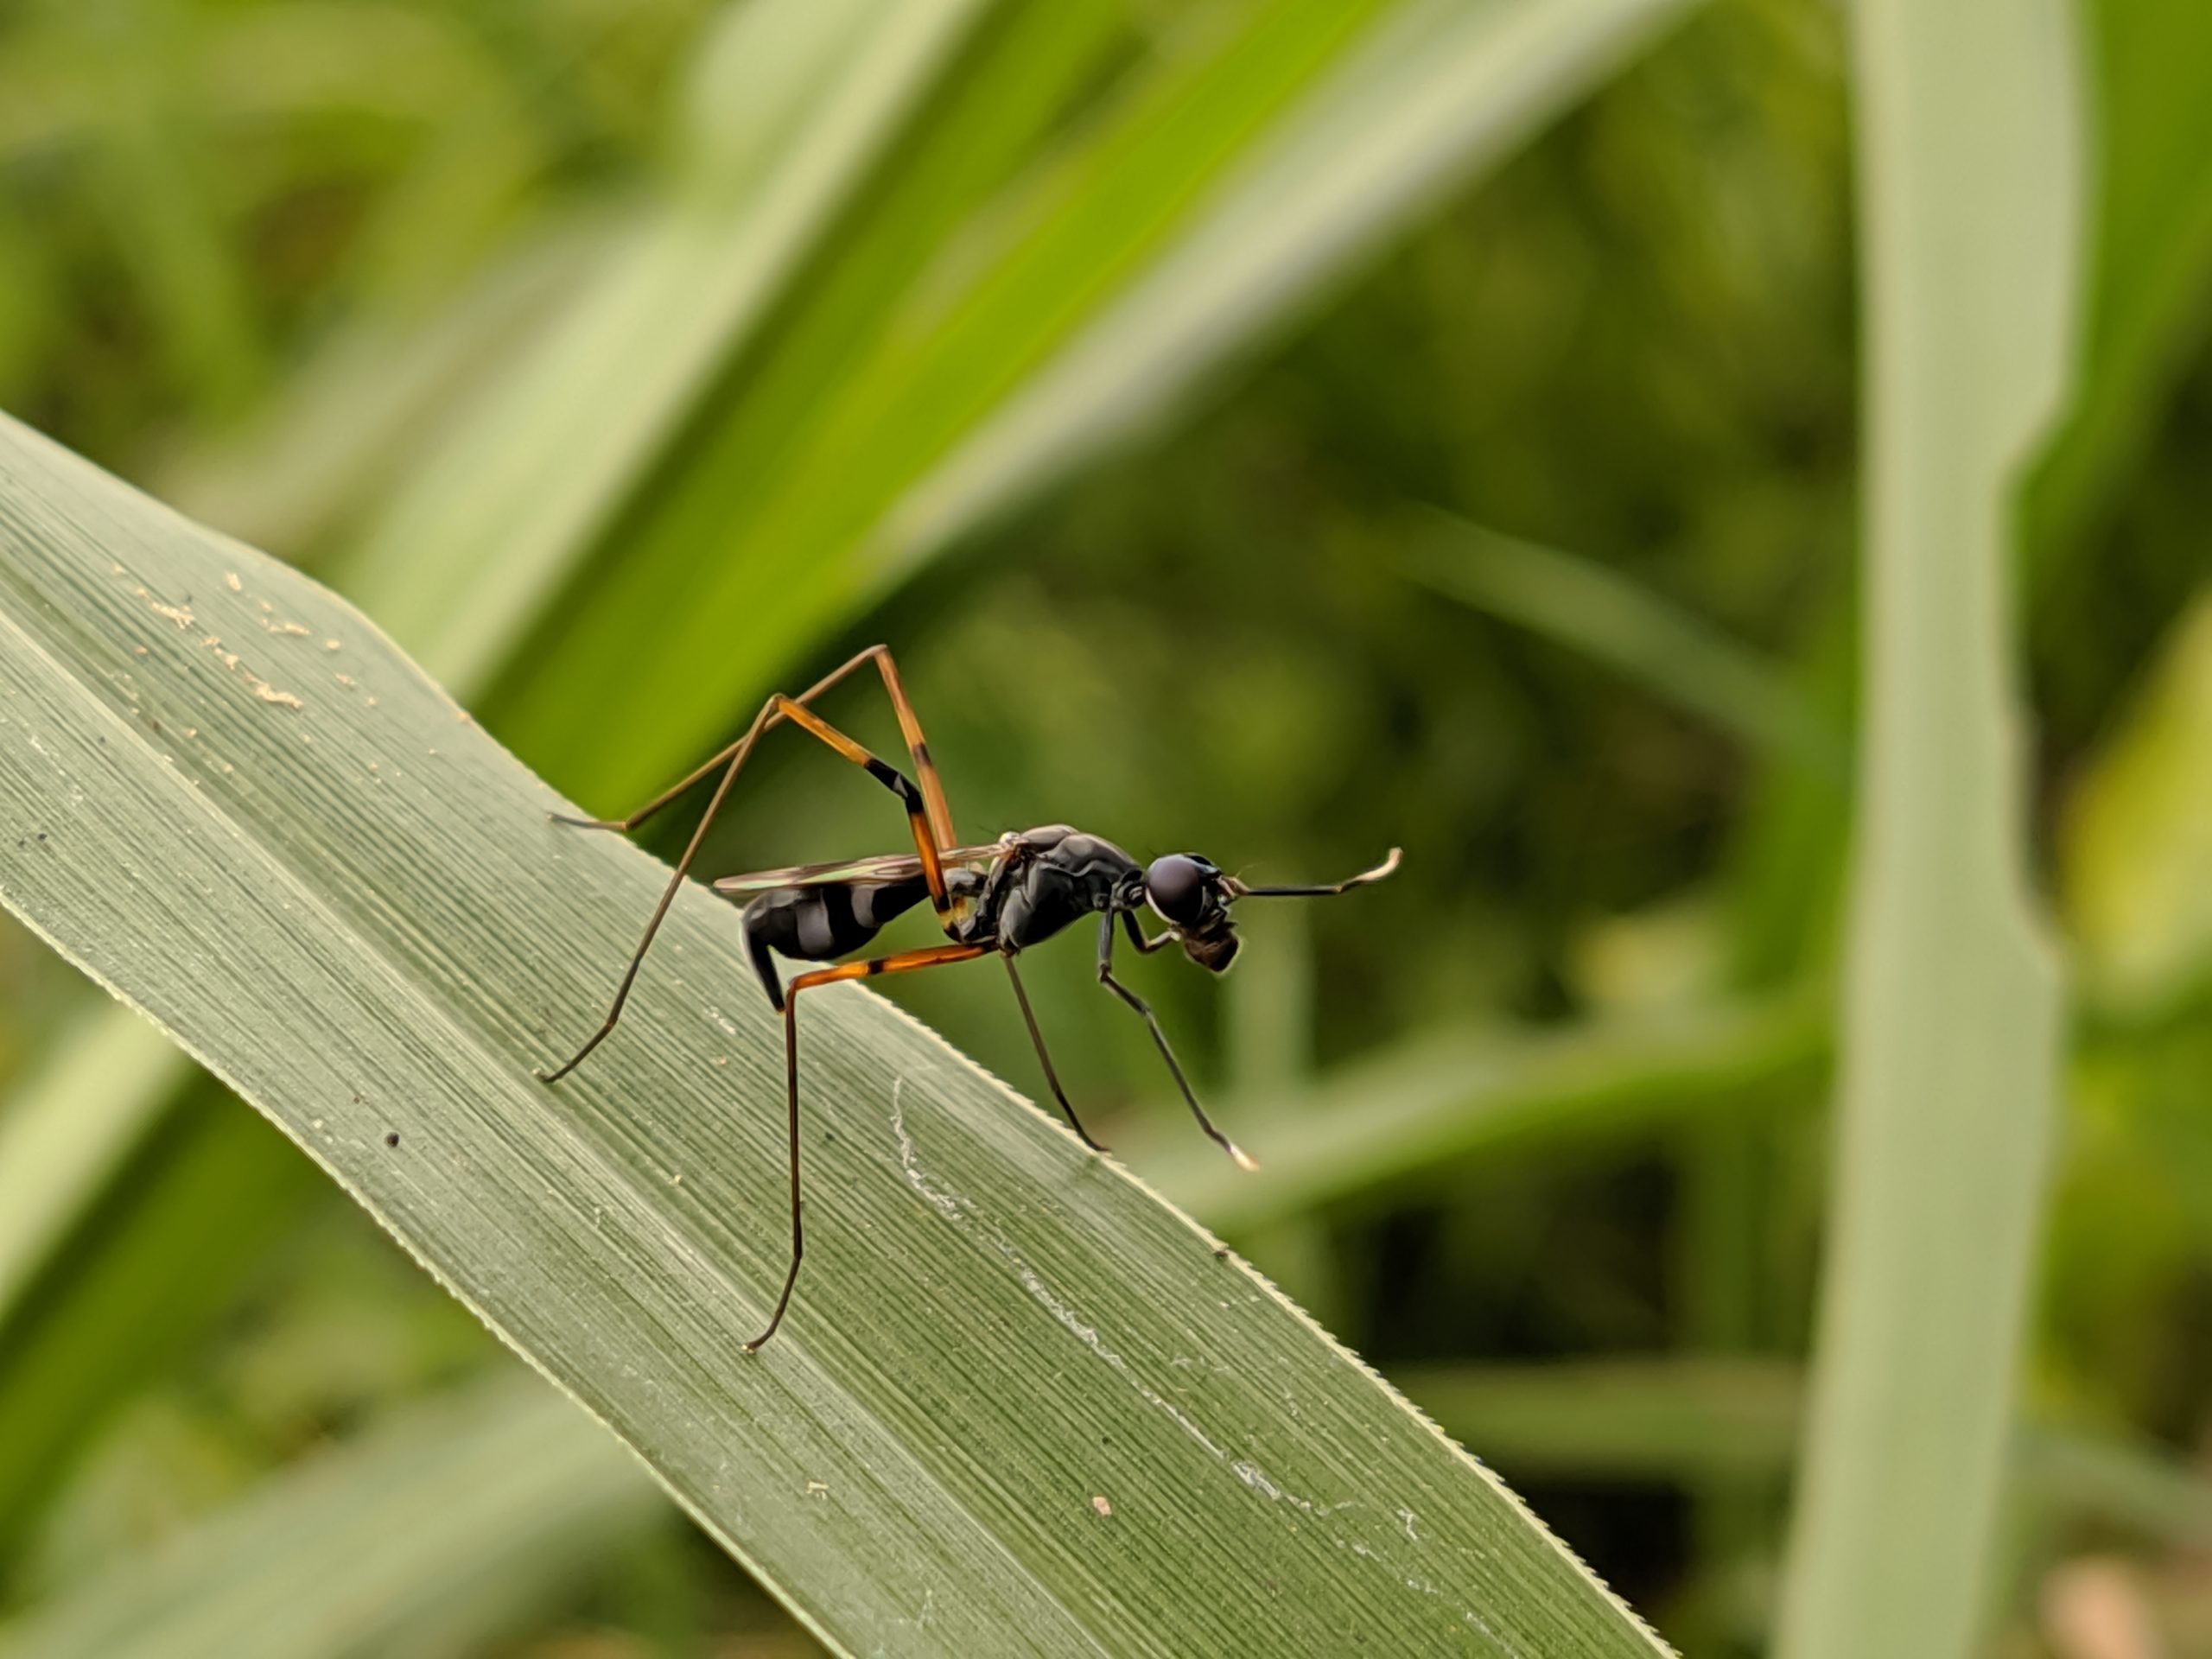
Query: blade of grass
x,y
1668,651
775,554
162,206
352,418
434,1529
1690,1419
1970,162
345,899
1420,1109
2137,841
2154,253
68,1131
795,102
1156,244
1683,1420
199,1202
1438,92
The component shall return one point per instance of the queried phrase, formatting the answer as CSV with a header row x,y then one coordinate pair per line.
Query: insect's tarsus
x,y
998,898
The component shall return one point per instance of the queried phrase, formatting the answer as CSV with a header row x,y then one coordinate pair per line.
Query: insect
x,y
997,898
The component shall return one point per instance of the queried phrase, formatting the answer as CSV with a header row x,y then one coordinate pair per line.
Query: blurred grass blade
x,y
1662,1419
197,1203
352,418
1437,92
1970,147
793,103
2153,291
1692,1418
2137,847
67,1131
435,1530
1422,1108
160,193
1227,179
1666,651
271,833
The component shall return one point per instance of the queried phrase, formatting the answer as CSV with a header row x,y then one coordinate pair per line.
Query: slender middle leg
x,y
905,962
1244,1159
1044,1059
925,805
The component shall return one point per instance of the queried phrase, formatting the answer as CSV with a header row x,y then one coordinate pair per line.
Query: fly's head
x,y
1193,896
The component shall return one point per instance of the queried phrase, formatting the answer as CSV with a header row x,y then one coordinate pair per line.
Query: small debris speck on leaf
x,y
1100,1504
391,1138
231,580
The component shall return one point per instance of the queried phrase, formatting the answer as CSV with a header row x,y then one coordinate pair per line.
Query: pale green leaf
x,y
1226,185
1970,154
794,103
1439,91
443,1522
2137,844
1019,1406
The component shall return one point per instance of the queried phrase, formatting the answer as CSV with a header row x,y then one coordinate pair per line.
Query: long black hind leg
x,y
905,962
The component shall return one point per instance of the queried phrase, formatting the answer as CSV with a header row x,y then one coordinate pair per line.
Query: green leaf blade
x,y
1020,1405
1971,158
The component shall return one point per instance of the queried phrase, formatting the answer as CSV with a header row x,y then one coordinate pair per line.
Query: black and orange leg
x,y
905,962
1244,1159
910,728
917,802
1044,1059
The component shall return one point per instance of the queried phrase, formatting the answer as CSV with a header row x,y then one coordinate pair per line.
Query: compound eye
x,y
1176,885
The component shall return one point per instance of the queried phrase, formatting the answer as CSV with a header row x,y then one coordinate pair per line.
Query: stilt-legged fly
x,y
994,899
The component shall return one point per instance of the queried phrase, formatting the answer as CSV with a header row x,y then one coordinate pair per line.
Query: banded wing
x,y
892,866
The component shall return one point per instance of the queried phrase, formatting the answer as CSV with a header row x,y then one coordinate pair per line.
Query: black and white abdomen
x,y
819,923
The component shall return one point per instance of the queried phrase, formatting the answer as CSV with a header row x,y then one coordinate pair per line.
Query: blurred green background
x,y
630,359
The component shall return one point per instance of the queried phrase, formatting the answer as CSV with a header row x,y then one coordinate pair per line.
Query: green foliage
x,y
1282,430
